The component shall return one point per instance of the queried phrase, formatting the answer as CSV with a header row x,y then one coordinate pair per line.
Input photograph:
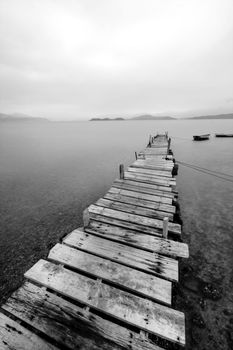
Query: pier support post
x,y
165,227
169,144
121,168
136,155
150,141
86,218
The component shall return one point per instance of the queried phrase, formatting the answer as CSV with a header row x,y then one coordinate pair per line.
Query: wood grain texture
x,y
133,218
144,314
166,174
133,208
145,261
153,198
122,276
126,224
144,188
74,326
148,179
136,199
139,239
13,336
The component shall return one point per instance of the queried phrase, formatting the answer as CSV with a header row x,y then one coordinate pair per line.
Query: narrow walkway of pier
x,y
108,284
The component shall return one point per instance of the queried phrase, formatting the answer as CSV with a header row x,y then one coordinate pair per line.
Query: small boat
x,y
201,137
223,135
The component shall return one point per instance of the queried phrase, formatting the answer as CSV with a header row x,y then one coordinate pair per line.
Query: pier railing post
x,y
165,227
136,155
121,169
86,217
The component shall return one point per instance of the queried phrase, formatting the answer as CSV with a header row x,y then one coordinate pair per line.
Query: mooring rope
x,y
218,174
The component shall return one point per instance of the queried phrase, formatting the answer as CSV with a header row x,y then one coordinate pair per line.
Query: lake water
x,y
51,172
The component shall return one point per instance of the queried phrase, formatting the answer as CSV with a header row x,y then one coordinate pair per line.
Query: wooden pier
x,y
108,284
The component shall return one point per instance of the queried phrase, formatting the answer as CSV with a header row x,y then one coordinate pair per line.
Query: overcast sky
x,y
65,59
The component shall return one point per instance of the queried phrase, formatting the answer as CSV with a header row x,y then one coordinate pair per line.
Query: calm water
x,y
50,172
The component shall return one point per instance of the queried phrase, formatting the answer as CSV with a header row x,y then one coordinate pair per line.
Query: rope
x,y
208,171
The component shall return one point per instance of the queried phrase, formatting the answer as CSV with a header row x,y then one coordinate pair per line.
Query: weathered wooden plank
x,y
146,163
138,239
147,315
133,209
75,327
153,166
137,219
159,149
156,151
159,145
171,181
126,224
123,276
15,337
143,196
145,261
148,179
152,156
144,188
137,199
153,172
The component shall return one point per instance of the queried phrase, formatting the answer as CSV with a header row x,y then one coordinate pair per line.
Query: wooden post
x,y
165,227
150,141
168,146
121,168
136,155
86,218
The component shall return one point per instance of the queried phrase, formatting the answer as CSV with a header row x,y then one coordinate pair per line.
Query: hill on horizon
x,y
214,116
18,117
151,117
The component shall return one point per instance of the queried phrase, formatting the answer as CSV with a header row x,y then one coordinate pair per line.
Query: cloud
x,y
77,58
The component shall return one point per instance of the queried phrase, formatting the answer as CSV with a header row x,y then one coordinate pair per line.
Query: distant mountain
x,y
20,117
151,117
218,116
105,119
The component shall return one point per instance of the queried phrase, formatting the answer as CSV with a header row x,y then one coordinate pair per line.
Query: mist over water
x,y
50,172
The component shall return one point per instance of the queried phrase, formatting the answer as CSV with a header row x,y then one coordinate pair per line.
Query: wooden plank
x,y
156,151
138,239
144,188
133,209
135,198
164,148
137,219
122,276
152,167
170,181
13,336
147,315
126,224
143,196
152,156
74,328
147,163
156,166
158,157
159,145
148,179
151,172
151,263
